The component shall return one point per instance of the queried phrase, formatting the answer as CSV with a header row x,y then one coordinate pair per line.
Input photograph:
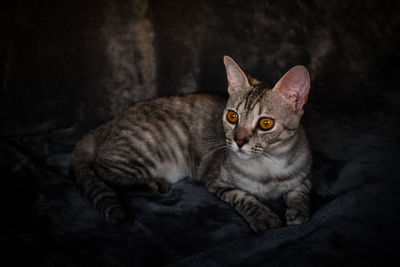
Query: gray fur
x,y
161,141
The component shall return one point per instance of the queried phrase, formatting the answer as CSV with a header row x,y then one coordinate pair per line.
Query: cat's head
x,y
259,119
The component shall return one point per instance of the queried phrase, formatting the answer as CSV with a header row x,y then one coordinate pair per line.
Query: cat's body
x,y
162,141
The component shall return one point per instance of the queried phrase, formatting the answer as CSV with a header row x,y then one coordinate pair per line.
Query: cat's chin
x,y
243,155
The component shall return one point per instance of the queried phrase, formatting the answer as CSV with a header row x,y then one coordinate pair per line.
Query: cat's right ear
x,y
237,79
295,86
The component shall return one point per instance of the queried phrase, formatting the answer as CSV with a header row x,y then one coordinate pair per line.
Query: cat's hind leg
x,y
102,196
129,173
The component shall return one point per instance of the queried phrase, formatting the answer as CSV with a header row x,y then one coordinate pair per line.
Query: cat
x,y
249,148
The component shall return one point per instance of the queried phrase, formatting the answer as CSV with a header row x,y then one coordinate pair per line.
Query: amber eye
x,y
265,124
232,117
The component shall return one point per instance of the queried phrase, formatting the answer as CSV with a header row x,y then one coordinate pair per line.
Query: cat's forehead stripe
x,y
257,94
241,103
247,98
252,98
255,101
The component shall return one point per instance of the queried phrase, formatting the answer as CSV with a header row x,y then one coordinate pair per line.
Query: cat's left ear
x,y
237,79
294,86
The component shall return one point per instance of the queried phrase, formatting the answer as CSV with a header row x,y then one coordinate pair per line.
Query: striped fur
x,y
161,141
152,143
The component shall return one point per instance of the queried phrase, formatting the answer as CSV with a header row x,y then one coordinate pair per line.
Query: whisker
x,y
214,137
214,140
215,150
274,159
258,150
214,144
212,147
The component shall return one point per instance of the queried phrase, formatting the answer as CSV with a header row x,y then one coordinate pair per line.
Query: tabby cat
x,y
252,147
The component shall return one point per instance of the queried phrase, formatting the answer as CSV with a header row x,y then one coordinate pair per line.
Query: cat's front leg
x,y
298,204
258,216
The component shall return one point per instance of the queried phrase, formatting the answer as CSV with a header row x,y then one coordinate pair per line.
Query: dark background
x,y
68,66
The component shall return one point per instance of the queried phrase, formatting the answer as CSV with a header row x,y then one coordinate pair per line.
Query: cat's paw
x,y
264,221
159,185
296,216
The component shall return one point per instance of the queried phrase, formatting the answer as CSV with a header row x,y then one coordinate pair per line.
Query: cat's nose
x,y
240,142
242,136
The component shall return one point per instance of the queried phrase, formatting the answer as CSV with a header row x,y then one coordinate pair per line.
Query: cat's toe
x,y
264,222
296,216
259,227
159,185
116,214
274,221
163,185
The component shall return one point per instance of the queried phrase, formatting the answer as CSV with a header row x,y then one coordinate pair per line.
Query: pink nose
x,y
239,142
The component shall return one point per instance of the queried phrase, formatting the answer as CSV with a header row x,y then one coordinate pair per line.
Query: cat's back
x,y
189,113
185,105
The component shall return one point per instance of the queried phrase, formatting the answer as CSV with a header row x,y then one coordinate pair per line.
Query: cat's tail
x,y
103,197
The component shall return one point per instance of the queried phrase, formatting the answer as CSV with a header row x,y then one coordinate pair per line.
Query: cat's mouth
x,y
243,153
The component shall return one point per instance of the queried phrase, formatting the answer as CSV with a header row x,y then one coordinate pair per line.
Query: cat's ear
x,y
237,79
294,86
